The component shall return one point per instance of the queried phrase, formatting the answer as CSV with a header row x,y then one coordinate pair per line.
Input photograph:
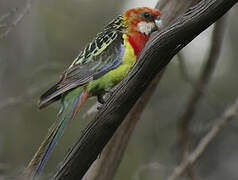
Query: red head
x,y
141,22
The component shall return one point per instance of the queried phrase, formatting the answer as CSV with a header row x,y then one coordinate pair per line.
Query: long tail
x,y
71,105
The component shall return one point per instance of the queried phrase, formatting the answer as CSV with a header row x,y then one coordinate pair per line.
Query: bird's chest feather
x,y
113,77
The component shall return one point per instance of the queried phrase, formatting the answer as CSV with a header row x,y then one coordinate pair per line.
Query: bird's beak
x,y
158,23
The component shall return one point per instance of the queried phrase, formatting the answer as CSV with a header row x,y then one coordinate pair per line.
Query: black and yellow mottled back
x,y
101,42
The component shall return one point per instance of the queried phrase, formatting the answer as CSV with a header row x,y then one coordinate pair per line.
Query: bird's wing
x,y
99,57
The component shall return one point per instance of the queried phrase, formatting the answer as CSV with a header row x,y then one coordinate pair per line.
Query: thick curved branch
x,y
155,56
106,166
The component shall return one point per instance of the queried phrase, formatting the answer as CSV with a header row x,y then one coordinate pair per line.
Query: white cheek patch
x,y
145,27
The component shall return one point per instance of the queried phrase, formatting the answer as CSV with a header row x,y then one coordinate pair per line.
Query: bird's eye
x,y
147,16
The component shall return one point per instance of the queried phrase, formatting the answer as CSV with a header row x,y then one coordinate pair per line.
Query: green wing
x,y
99,57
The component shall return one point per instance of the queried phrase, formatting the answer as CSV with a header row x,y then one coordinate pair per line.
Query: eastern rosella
x,y
100,66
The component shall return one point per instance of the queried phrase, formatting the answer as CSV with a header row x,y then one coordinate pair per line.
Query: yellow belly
x,y
113,77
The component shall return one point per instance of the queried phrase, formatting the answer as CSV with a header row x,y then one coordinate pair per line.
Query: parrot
x,y
98,68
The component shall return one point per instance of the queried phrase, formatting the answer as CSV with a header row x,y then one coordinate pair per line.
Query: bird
x,y
99,67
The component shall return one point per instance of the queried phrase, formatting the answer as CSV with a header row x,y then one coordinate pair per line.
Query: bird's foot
x,y
101,99
101,102
99,106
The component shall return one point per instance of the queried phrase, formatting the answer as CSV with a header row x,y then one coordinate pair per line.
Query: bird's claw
x,y
99,107
101,99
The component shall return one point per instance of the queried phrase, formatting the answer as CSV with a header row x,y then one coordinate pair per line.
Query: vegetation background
x,y
49,37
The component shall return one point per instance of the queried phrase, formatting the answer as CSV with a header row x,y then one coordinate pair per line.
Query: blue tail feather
x,y
65,114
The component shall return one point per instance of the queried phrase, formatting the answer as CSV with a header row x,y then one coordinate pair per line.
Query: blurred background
x,y
49,37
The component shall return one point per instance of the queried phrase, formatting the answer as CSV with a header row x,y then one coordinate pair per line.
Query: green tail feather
x,y
70,102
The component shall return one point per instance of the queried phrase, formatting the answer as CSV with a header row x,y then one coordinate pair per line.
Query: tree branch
x,y
229,113
7,15
105,167
155,56
26,97
199,89
17,20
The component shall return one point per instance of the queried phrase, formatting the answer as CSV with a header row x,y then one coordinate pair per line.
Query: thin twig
x,y
200,87
8,14
27,96
228,115
18,19
148,167
3,25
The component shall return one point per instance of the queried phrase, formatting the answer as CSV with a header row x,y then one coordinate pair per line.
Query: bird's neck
x,y
138,41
